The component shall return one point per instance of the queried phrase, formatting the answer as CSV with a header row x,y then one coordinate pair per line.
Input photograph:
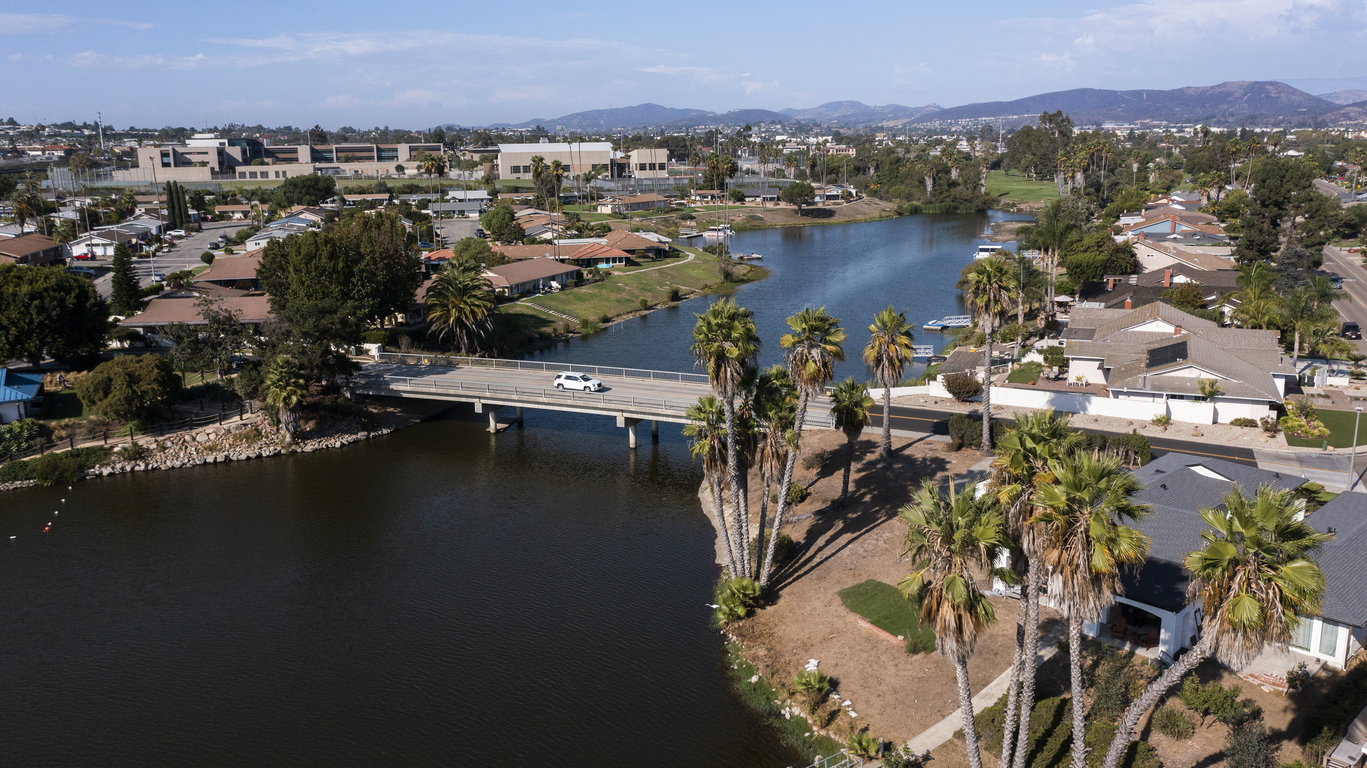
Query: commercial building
x,y
207,157
649,163
515,160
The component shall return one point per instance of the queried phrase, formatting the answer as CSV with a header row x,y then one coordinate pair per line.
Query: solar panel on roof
x,y
1170,353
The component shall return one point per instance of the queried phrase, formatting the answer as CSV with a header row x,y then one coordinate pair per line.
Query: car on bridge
x,y
579,381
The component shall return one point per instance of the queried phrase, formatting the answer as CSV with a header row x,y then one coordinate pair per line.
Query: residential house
x,y
377,198
1159,226
1157,255
461,207
636,245
706,195
598,255
1160,353
18,391
1134,291
234,211
183,306
531,276
629,203
235,272
32,250
101,243
1340,629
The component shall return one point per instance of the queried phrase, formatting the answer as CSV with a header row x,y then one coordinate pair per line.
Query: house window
x,y
642,167
1302,638
1329,638
241,174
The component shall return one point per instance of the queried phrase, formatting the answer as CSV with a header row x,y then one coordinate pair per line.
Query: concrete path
x,y
944,730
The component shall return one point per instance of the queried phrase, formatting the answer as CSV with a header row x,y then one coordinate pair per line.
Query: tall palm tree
x,y
725,343
1054,229
1254,579
557,176
538,171
850,404
949,536
1301,313
888,353
811,350
706,432
1085,546
285,387
1020,471
987,285
460,303
775,407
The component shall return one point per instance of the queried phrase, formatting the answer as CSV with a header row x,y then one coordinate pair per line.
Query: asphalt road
x,y
183,255
1343,195
452,230
1353,306
936,422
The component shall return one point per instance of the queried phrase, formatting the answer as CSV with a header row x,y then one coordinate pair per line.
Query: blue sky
x,y
416,64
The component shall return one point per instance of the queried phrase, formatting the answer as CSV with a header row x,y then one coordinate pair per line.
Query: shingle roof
x,y
596,251
531,269
231,268
1175,493
1344,559
251,309
25,245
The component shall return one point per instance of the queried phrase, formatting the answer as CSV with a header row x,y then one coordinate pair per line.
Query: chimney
x,y
1128,304
1167,278
1110,283
1177,330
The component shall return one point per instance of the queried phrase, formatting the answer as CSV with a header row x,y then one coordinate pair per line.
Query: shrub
x,y
811,687
1173,723
1140,754
128,387
1161,420
207,257
55,468
736,598
966,431
1247,746
1243,421
1270,425
588,325
644,304
1132,449
1111,688
605,318
784,549
796,494
919,642
250,381
376,336
17,435
904,757
862,745
963,386
816,460
131,452
1297,676
1213,699
674,294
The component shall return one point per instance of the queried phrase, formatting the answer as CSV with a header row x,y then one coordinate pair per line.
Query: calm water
x,y
433,597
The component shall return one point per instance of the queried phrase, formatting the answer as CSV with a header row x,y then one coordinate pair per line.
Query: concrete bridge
x,y
630,395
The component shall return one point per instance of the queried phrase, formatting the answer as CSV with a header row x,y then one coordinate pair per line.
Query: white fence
x,y
1091,405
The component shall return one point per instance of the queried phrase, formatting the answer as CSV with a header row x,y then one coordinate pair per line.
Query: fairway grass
x,y
1022,188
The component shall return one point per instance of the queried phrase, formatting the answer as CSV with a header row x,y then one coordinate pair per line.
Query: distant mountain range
x,y
1230,103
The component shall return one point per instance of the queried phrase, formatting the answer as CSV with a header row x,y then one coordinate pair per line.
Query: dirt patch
x,y
1004,231
895,694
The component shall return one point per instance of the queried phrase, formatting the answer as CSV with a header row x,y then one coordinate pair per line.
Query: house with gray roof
x,y
1160,353
1341,628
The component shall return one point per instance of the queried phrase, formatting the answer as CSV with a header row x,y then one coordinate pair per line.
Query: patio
x,y
1132,629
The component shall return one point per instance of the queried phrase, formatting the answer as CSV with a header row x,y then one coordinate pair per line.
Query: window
x,y
1302,638
241,174
251,174
1329,638
642,166
165,159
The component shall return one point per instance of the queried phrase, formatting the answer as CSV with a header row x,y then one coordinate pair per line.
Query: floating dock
x,y
953,321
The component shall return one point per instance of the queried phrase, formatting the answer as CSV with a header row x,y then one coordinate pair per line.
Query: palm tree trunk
x,y
733,479
725,527
1013,690
975,756
849,464
885,446
1296,349
290,421
1030,661
783,486
987,398
763,515
1151,695
1075,677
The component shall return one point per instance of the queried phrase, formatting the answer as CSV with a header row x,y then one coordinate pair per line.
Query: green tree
x,y
316,336
310,189
502,226
285,388
725,343
129,386
126,294
1301,313
222,335
1187,297
987,286
812,347
1086,544
706,432
850,404
1255,578
477,250
187,347
460,304
799,194
887,354
950,537
49,311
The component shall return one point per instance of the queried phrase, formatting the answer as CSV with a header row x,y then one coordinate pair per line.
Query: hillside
x,y
855,112
638,116
1345,97
1223,103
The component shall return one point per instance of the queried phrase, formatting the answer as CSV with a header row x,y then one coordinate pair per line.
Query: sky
x,y
420,64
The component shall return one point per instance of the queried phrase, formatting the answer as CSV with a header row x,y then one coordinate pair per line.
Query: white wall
x,y
1227,410
1077,403
1089,370
1192,411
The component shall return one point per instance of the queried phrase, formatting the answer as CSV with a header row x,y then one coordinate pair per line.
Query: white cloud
x,y
339,101
31,23
333,45
97,60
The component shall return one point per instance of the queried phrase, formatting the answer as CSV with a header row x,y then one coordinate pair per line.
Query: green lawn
x,y
621,294
886,608
1000,184
59,406
1026,373
1340,424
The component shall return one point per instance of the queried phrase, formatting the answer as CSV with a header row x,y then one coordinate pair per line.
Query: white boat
x,y
718,230
986,251
953,321
748,256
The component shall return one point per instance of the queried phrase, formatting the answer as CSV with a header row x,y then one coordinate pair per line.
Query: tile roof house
x,y
1160,353
530,276
17,393
31,250
635,245
596,255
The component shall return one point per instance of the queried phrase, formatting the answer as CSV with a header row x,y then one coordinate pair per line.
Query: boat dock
x,y
953,321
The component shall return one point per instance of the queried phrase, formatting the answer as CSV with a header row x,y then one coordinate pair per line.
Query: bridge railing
x,y
598,371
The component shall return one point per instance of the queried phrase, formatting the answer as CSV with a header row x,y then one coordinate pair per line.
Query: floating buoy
x,y
12,538
45,530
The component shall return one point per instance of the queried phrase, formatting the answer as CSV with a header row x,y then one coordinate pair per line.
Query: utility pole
x,y
99,121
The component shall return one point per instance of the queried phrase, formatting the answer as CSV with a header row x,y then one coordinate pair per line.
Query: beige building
x,y
209,158
515,160
649,163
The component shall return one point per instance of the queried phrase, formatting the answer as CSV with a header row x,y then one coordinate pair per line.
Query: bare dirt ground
x,y
1004,231
894,694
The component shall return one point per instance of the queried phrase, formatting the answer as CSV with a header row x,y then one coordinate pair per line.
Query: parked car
x,y
213,245
425,246
178,233
479,232
1351,331
158,277
580,381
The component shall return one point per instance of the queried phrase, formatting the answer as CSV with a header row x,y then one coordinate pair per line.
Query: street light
x,y
1352,457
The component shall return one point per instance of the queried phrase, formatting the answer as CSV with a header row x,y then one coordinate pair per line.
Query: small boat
x,y
953,321
718,230
986,252
748,256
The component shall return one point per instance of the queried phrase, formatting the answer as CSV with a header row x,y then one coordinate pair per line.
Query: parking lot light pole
x,y
1352,457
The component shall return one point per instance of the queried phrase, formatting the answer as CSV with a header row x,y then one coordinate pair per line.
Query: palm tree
x,y
460,303
706,432
1301,313
812,349
1254,578
285,387
433,165
1053,230
774,404
538,171
1085,545
949,536
850,404
987,285
725,343
557,175
1020,471
888,353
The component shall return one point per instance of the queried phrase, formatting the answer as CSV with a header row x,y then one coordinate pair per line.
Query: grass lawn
x,y
1026,373
885,607
59,406
1340,425
621,294
999,184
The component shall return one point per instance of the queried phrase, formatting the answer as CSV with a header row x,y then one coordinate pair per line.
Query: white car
x,y
579,381
158,277
177,233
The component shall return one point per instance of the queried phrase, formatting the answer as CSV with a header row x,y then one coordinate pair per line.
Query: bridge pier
x,y
654,431
630,424
519,415
493,420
